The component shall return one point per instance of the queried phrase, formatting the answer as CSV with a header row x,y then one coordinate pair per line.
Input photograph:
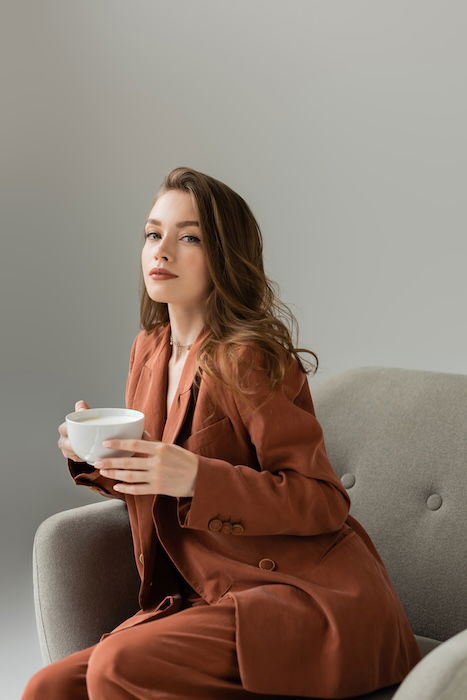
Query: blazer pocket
x,y
221,429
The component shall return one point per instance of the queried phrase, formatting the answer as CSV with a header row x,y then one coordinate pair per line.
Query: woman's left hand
x,y
164,467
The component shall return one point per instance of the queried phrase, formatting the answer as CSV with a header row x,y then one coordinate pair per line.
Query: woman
x,y
255,579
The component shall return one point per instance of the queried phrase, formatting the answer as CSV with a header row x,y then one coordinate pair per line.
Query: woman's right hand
x,y
64,440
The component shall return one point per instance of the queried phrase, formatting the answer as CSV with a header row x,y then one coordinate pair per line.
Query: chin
x,y
160,298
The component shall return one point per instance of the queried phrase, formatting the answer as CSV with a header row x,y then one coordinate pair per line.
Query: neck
x,y
178,354
184,330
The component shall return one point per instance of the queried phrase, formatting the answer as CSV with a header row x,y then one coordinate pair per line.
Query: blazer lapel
x,y
168,426
151,398
179,407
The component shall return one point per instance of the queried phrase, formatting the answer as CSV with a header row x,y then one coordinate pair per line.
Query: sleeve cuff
x,y
85,474
196,511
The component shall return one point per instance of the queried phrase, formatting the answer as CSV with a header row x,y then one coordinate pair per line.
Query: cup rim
x,y
132,414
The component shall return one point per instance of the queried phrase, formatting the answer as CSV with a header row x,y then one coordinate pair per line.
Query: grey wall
x,y
341,123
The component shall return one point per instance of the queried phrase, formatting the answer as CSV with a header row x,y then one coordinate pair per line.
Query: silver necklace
x,y
173,342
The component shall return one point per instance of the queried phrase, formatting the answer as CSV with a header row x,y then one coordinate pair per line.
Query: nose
x,y
163,250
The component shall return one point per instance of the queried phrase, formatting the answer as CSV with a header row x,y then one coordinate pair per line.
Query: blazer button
x,y
215,524
267,564
237,529
226,528
141,557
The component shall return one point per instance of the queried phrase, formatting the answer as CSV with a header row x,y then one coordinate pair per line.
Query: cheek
x,y
197,265
204,275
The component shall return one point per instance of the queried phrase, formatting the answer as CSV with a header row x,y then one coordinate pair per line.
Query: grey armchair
x,y
398,440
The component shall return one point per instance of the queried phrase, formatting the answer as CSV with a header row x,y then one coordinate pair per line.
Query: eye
x,y
155,233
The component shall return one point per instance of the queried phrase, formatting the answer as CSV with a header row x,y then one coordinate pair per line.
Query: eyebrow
x,y
179,225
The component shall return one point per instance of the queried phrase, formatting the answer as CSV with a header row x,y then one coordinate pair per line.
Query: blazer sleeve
x,y
296,491
85,474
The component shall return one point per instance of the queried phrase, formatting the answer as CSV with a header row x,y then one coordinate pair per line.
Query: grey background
x,y
342,124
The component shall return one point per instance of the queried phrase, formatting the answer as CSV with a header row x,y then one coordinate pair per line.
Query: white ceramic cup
x,y
88,428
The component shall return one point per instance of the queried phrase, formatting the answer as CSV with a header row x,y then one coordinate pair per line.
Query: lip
x,y
159,278
157,272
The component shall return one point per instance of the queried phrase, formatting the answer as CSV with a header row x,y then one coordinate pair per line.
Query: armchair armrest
x,y
442,673
84,576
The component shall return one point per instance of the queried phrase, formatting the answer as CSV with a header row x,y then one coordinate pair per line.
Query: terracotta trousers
x,y
188,654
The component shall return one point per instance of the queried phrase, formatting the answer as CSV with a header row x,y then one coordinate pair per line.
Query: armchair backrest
x,y
398,440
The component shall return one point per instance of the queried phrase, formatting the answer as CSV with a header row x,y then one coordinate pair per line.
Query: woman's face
x,y
178,249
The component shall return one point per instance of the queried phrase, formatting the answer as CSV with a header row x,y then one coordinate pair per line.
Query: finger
x,y
62,444
135,489
132,445
68,454
65,448
138,465
130,476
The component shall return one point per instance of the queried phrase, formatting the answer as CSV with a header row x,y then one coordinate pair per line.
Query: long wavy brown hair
x,y
242,308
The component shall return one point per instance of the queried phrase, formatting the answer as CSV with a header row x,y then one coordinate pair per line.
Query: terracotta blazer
x,y
269,526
